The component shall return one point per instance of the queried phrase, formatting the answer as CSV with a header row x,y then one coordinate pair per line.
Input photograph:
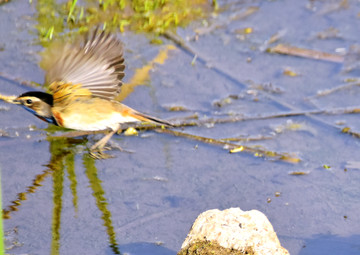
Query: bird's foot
x,y
98,153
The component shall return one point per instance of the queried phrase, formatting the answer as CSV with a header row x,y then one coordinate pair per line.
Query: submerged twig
x,y
332,6
279,49
238,118
333,90
274,38
188,122
20,81
75,133
246,139
179,41
225,22
233,148
306,53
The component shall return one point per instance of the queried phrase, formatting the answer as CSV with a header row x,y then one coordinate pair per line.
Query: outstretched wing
x,y
95,66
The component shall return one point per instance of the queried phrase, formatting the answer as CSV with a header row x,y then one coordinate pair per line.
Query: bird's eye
x,y
28,101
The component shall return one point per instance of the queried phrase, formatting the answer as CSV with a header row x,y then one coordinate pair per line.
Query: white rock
x,y
236,229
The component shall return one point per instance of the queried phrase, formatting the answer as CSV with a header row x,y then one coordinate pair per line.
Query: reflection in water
x,y
63,151
22,196
99,194
70,166
57,165
142,75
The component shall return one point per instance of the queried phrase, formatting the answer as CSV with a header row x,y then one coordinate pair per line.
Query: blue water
x,y
145,202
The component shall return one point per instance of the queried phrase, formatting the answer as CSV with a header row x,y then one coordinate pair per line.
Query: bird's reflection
x,y
64,151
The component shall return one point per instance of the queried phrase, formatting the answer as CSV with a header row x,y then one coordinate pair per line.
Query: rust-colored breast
x,y
58,118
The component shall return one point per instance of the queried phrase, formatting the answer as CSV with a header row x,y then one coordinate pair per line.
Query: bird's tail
x,y
151,119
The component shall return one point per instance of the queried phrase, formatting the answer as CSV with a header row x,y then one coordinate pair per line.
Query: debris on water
x,y
329,33
131,132
289,72
299,173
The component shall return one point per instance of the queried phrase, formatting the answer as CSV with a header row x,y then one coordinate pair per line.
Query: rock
x,y
249,232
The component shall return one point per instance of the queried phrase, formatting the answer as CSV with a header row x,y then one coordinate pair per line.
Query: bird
x,y
83,80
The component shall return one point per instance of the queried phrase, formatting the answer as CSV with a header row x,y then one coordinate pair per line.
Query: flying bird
x,y
84,81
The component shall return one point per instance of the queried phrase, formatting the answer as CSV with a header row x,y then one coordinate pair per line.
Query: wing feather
x,y
96,63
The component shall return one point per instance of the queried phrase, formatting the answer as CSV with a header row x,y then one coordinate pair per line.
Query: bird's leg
x,y
101,143
97,148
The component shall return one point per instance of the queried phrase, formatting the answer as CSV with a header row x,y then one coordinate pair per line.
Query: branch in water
x,y
233,148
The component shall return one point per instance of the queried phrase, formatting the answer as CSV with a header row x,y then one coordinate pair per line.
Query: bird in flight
x,y
83,83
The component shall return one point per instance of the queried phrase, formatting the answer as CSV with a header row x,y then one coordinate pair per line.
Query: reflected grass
x,y
63,154
57,18
100,199
1,221
70,166
143,74
58,187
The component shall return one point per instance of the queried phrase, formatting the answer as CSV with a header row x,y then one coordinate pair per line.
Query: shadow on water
x,y
63,151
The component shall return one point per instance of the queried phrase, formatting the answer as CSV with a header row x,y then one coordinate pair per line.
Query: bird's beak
x,y
10,99
14,100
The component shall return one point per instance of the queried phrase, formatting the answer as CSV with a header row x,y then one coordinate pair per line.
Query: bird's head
x,y
38,103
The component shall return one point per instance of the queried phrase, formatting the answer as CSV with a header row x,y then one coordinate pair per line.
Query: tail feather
x,y
152,119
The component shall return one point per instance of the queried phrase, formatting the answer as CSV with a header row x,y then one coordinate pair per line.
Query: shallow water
x,y
145,202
